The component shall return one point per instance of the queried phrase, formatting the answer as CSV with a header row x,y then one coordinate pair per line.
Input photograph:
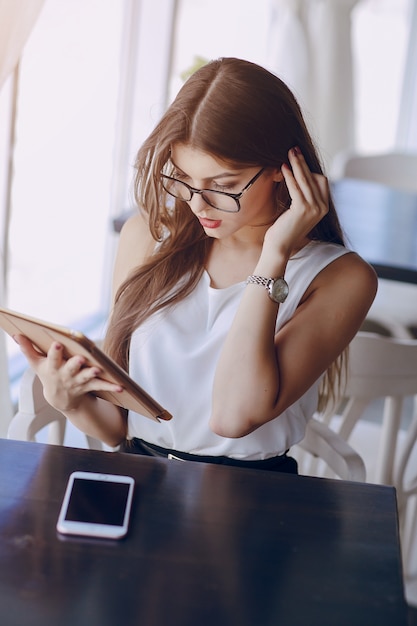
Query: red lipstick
x,y
206,223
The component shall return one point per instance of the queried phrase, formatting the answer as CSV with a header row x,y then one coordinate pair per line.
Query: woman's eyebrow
x,y
233,173
227,174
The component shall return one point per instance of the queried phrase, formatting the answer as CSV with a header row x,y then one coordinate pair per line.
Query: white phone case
x,y
96,505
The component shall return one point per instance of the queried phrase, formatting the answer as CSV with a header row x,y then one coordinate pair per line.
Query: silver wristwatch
x,y
277,288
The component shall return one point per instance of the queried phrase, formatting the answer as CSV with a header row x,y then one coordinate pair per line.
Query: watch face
x,y
279,290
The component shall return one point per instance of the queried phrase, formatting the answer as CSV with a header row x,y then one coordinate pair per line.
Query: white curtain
x,y
310,49
407,122
17,18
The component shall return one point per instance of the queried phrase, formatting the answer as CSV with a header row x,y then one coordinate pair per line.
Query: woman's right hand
x,y
65,382
309,204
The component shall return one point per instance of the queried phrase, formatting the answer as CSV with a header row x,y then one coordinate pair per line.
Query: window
x,y
380,31
60,229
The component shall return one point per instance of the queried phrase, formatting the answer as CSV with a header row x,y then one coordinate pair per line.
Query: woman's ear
x,y
277,176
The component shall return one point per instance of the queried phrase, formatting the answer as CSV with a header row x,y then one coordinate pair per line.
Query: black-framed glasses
x,y
220,200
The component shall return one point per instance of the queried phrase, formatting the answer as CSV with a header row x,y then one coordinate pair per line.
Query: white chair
x,y
382,368
395,169
383,324
397,303
6,406
405,478
322,443
34,414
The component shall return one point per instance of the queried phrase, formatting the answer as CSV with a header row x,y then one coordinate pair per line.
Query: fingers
x,y
304,187
65,382
76,372
32,354
81,377
64,379
314,187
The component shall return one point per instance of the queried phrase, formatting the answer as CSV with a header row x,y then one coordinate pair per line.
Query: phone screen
x,y
97,502
97,505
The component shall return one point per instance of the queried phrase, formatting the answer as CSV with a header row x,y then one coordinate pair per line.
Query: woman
x,y
235,296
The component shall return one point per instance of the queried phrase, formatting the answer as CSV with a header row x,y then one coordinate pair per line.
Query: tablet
x,y
43,334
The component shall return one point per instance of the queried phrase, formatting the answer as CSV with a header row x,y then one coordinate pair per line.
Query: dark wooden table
x,y
208,545
381,225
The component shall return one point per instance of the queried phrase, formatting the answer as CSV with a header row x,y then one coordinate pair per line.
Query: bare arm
x,y
136,244
260,374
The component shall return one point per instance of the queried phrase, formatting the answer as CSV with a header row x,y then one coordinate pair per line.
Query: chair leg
x,y
94,444
408,534
56,432
389,433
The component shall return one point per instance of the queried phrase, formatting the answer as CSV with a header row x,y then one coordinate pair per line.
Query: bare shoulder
x,y
136,229
350,281
135,245
352,268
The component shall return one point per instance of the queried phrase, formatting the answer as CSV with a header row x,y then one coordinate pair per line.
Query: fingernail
x,y
14,337
57,346
296,151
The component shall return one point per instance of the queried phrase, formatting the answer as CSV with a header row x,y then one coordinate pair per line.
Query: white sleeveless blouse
x,y
173,355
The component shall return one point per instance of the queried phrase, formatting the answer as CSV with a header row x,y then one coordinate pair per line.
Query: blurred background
x,y
84,81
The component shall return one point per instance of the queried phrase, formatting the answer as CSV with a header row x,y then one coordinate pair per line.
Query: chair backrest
x,y
379,367
34,414
324,445
405,479
395,169
382,366
382,323
6,408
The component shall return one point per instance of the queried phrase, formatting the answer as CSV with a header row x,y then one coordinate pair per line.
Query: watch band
x,y
259,280
277,288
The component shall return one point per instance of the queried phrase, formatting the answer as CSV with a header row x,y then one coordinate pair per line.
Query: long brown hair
x,y
240,113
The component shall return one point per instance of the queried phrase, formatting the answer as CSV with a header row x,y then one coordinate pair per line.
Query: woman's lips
x,y
206,223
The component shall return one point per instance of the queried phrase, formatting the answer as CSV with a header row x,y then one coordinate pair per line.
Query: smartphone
x,y
42,334
96,505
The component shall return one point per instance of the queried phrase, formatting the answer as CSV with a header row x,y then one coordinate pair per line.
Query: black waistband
x,y
282,462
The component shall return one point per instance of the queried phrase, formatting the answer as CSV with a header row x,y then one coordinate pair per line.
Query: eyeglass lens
x,y
215,199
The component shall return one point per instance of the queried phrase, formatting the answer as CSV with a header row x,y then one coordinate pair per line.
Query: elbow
x,y
232,427
243,420
114,442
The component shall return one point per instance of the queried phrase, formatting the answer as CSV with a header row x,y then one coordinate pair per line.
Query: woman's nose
x,y
197,203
